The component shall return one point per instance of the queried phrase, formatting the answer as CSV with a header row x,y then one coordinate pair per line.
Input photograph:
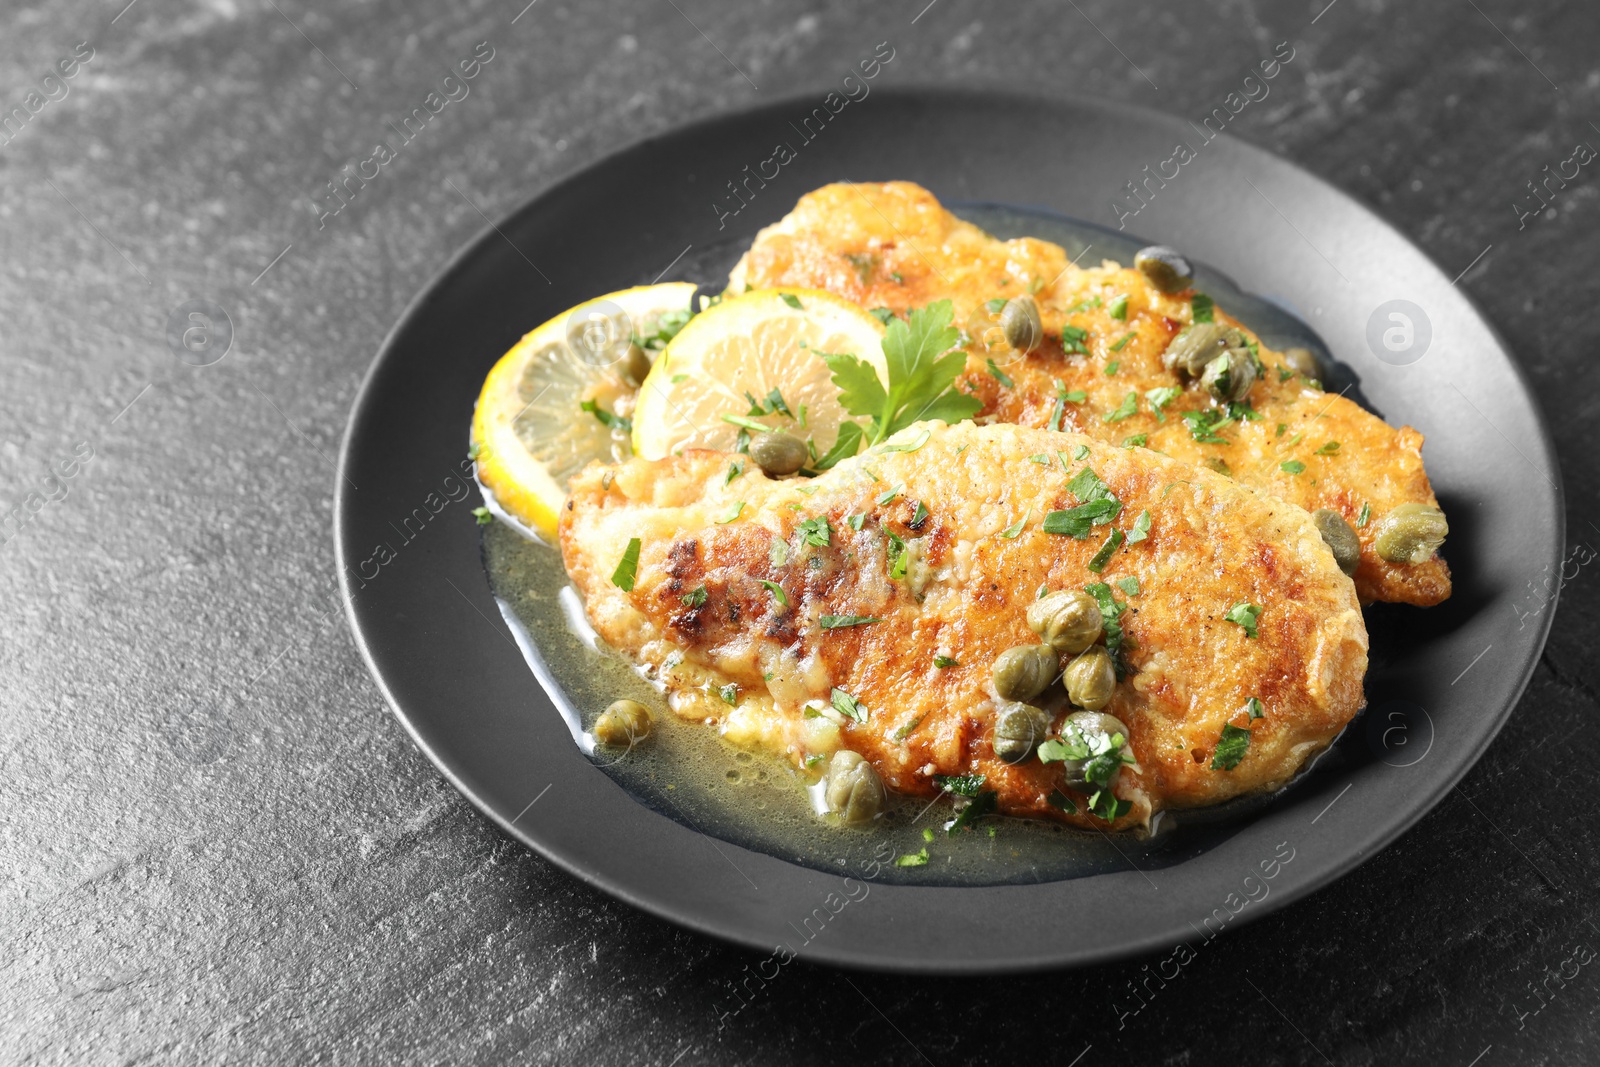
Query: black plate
x,y
1442,681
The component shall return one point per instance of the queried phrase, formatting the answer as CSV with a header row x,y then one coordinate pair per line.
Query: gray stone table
x,y
216,843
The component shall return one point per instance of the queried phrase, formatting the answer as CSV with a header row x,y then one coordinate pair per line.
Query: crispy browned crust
x,y
1212,544
856,240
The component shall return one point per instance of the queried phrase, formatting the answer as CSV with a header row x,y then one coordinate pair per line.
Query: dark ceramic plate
x,y
1441,683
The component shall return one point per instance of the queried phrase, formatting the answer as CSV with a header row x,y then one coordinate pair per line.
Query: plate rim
x,y
1353,853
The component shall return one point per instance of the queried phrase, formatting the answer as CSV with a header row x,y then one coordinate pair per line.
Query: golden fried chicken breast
x,y
790,590
894,245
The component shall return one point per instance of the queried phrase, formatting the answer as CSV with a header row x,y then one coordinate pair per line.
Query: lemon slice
x,y
532,431
750,352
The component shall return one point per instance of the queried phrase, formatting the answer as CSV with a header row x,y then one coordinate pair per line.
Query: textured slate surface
x,y
217,844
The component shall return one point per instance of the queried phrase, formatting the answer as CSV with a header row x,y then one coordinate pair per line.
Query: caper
x,y
1020,320
1022,673
1194,347
1340,537
1090,678
625,722
636,364
855,792
1099,732
1303,362
1018,729
778,453
1410,533
1068,621
1229,376
1165,268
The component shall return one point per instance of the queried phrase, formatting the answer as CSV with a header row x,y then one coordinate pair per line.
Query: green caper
x,y
1340,537
1229,376
1020,320
1090,678
1068,621
1194,347
1022,673
636,365
1303,362
855,792
1410,533
778,453
1165,268
1018,729
1099,732
625,722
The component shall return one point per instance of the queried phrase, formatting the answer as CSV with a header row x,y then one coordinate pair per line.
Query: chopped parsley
x,y
1011,532
1040,458
777,592
772,405
483,515
1076,522
863,262
729,694
1107,805
1000,376
1129,585
1119,309
1111,610
1284,374
694,598
1058,799
1102,557
814,759
735,509
1291,466
887,497
1072,338
745,423
883,315
1080,453
1102,756
1244,615
1253,706
1220,466
1138,440
1141,528
477,449
1329,449
839,622
922,370
1204,424
1230,748
679,379
976,808
919,516
792,300
1202,306
1074,396
735,469
628,567
994,305
816,531
966,785
1111,368
847,444
855,522
942,661
778,554
1366,513
911,446
848,706
1282,428
1130,405
616,423
913,859
1122,342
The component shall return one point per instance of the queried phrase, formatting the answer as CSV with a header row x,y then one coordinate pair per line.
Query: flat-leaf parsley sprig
x,y
922,372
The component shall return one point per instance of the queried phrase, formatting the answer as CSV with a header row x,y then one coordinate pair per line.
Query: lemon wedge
x,y
562,397
749,363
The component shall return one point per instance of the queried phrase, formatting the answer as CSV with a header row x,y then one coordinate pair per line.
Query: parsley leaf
x,y
1076,522
1080,453
735,469
616,423
839,622
1130,405
1011,532
1111,368
1000,376
913,859
1202,306
847,444
735,509
729,694
1129,585
1122,342
919,516
942,661
888,495
1141,528
816,531
1138,440
883,315
848,706
1072,338
977,808
855,522
1329,449
922,371
628,567
792,300
777,592
1102,557
1075,396
694,598
967,785
1253,706
1119,309
1291,466
1111,609
1203,426
1230,748
1245,615
1366,513
778,554
483,515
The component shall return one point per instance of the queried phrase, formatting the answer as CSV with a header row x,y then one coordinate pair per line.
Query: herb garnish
x,y
1072,338
735,509
913,859
1230,748
792,300
883,315
1329,449
1291,466
1080,453
1204,424
1254,708
839,622
919,516
1010,532
1130,405
777,592
816,531
1111,609
942,661
1202,306
976,808
1245,615
729,694
844,446
1122,342
848,706
1141,528
1119,309
922,372
483,515
1103,756
1138,440
855,522
616,423
628,567
966,785
1102,557
778,554
1000,376
915,443
694,598
1129,585
735,469
1366,513
1111,368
